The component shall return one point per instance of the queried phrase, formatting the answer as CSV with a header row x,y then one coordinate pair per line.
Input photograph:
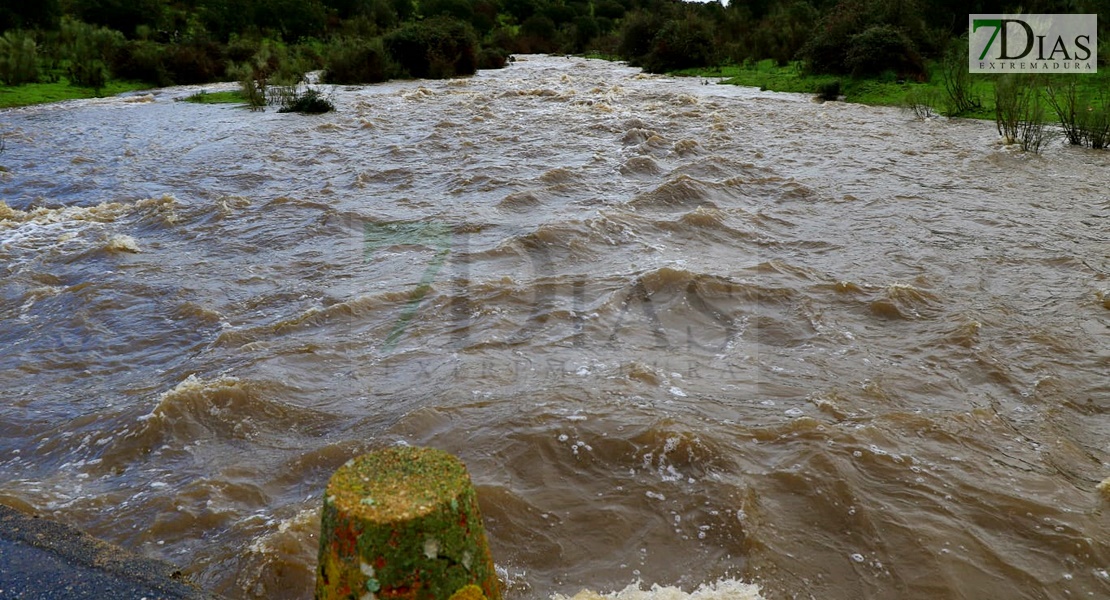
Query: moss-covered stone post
x,y
403,523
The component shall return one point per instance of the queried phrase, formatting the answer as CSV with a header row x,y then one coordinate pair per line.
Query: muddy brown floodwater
x,y
679,333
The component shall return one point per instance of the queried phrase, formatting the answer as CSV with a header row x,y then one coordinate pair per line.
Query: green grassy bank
x,y
12,96
885,90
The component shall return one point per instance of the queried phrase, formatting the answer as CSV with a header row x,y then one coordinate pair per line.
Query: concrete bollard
x,y
403,523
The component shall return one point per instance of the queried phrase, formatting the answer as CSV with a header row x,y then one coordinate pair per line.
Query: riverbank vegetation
x,y
905,52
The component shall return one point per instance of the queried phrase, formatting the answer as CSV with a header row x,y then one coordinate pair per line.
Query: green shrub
x,y
838,33
610,9
241,49
18,58
881,48
437,48
827,50
194,61
141,60
538,34
681,44
89,50
637,34
353,61
585,30
781,33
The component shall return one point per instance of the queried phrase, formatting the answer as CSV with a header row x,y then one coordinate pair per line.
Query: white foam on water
x,y
122,243
725,589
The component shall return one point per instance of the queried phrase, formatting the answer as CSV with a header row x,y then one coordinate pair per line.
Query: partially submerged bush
x,y
921,102
1019,114
829,91
271,65
310,101
492,58
1084,118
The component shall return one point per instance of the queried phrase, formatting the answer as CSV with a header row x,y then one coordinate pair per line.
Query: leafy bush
x,y
538,35
437,48
880,48
610,9
681,44
637,34
291,20
845,27
459,9
89,50
585,30
141,60
194,61
781,33
18,58
352,61
241,49
39,14
826,51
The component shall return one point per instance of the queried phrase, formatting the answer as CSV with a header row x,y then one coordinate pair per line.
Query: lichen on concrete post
x,y
402,523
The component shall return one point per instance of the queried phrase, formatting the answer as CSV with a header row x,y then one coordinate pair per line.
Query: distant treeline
x,y
167,42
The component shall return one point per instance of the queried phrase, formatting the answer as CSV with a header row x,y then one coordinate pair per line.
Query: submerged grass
x,y
206,97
